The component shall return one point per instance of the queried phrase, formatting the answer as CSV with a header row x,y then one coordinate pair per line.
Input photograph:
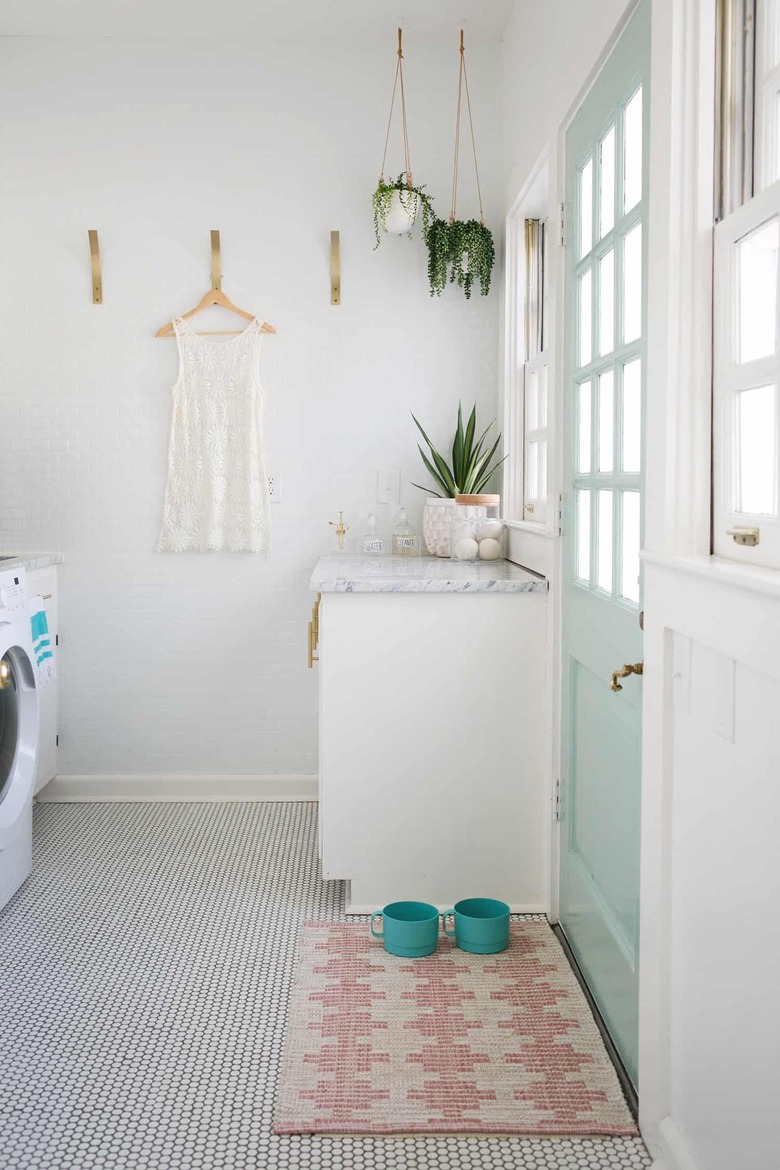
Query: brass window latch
x,y
624,672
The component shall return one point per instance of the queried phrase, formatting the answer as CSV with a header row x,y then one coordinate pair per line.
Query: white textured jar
x,y
437,515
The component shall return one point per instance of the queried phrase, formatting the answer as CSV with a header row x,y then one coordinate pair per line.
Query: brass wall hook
x,y
97,278
335,268
216,262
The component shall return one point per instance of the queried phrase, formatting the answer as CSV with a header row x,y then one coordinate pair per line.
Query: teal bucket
x,y
409,929
481,925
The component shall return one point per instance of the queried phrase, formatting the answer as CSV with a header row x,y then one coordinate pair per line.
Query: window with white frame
x,y
746,349
535,373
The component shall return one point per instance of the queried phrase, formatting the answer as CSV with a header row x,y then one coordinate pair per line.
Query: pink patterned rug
x,y
453,1043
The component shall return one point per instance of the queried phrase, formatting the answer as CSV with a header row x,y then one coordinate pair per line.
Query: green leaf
x,y
489,474
457,448
436,474
427,489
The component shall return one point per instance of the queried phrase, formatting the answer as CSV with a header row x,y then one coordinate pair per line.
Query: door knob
x,y
624,672
5,675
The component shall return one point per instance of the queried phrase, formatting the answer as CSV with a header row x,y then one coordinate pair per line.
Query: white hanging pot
x,y
403,212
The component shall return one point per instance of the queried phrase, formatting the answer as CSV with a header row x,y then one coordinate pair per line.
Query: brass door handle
x,y
315,619
5,675
624,672
312,656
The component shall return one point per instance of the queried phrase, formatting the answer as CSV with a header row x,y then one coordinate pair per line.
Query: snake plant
x,y
471,465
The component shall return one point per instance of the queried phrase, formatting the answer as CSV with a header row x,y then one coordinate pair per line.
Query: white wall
x,y
197,663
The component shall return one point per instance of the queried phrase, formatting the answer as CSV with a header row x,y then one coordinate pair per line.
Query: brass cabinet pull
x,y
312,656
624,672
315,618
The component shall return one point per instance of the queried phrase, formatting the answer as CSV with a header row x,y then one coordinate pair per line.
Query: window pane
x,y
758,292
604,565
541,396
607,184
583,424
632,416
632,284
586,208
532,472
756,429
606,416
632,152
586,317
583,535
532,400
629,576
607,302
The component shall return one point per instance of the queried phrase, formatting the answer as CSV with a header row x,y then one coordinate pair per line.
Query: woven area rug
x,y
450,1044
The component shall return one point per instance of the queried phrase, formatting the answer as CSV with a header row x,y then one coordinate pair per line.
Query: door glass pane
x,y
632,152
632,284
583,535
532,400
607,183
607,302
606,423
604,565
629,574
756,430
758,292
583,428
586,208
632,416
586,317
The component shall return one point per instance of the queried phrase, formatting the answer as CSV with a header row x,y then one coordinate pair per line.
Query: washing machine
x,y
19,720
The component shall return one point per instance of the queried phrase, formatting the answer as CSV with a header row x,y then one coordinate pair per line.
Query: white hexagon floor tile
x,y
145,970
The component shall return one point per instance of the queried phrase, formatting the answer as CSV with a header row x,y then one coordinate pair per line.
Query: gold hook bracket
x,y
624,672
335,268
97,278
216,262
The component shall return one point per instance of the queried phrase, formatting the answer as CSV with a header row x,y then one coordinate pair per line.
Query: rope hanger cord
x,y
399,77
463,83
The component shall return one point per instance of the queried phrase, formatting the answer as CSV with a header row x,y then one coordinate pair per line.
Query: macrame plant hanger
x,y
398,84
463,85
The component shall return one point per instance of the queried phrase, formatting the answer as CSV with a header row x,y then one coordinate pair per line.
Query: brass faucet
x,y
341,530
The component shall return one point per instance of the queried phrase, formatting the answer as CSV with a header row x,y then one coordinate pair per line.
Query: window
x,y
535,372
746,367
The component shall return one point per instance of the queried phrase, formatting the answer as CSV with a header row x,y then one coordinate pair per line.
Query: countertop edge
x,y
32,560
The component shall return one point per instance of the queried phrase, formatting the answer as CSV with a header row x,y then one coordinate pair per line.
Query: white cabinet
x,y
43,583
431,774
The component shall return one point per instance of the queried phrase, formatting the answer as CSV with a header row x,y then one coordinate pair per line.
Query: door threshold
x,y
626,1083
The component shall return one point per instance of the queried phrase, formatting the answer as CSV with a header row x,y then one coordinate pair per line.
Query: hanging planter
x,y
461,251
398,203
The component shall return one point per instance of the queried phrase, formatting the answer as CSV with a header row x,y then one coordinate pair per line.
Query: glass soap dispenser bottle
x,y
373,545
404,537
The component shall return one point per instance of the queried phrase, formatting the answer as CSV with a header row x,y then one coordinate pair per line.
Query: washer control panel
x,y
13,592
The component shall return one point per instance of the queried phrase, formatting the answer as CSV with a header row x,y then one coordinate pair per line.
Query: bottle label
x,y
406,541
373,546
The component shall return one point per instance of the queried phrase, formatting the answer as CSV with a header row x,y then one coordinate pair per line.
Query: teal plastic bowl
x,y
409,929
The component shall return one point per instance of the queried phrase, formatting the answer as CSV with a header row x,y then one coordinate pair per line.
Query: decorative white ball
x,y
466,549
490,528
489,549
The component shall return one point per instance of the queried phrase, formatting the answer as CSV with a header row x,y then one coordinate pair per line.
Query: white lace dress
x,y
216,496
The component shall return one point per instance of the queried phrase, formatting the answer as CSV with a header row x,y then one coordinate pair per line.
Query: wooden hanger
x,y
215,296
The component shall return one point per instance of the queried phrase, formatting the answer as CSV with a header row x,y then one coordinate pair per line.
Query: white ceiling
x,y
220,20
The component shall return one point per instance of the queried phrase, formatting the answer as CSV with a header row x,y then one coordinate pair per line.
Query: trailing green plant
x,y
412,199
471,464
461,252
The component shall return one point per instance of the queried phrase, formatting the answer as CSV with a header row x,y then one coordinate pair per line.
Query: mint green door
x,y
604,370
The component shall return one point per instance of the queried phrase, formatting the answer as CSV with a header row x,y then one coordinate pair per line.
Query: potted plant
x,y
396,207
461,252
468,473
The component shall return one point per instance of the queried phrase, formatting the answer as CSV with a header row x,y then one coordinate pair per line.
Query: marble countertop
x,y
345,573
29,560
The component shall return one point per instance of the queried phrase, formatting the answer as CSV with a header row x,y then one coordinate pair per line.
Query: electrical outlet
x,y
388,487
274,487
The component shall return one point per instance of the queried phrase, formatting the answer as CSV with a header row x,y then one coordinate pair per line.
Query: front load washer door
x,y
9,720
18,746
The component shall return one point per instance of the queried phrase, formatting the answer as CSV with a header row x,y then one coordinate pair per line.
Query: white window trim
x,y
531,203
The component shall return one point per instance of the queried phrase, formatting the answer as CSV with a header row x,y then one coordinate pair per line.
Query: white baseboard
x,y
669,1147
168,787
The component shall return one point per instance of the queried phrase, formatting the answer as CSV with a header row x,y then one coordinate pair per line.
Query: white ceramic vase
x,y
437,515
402,213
